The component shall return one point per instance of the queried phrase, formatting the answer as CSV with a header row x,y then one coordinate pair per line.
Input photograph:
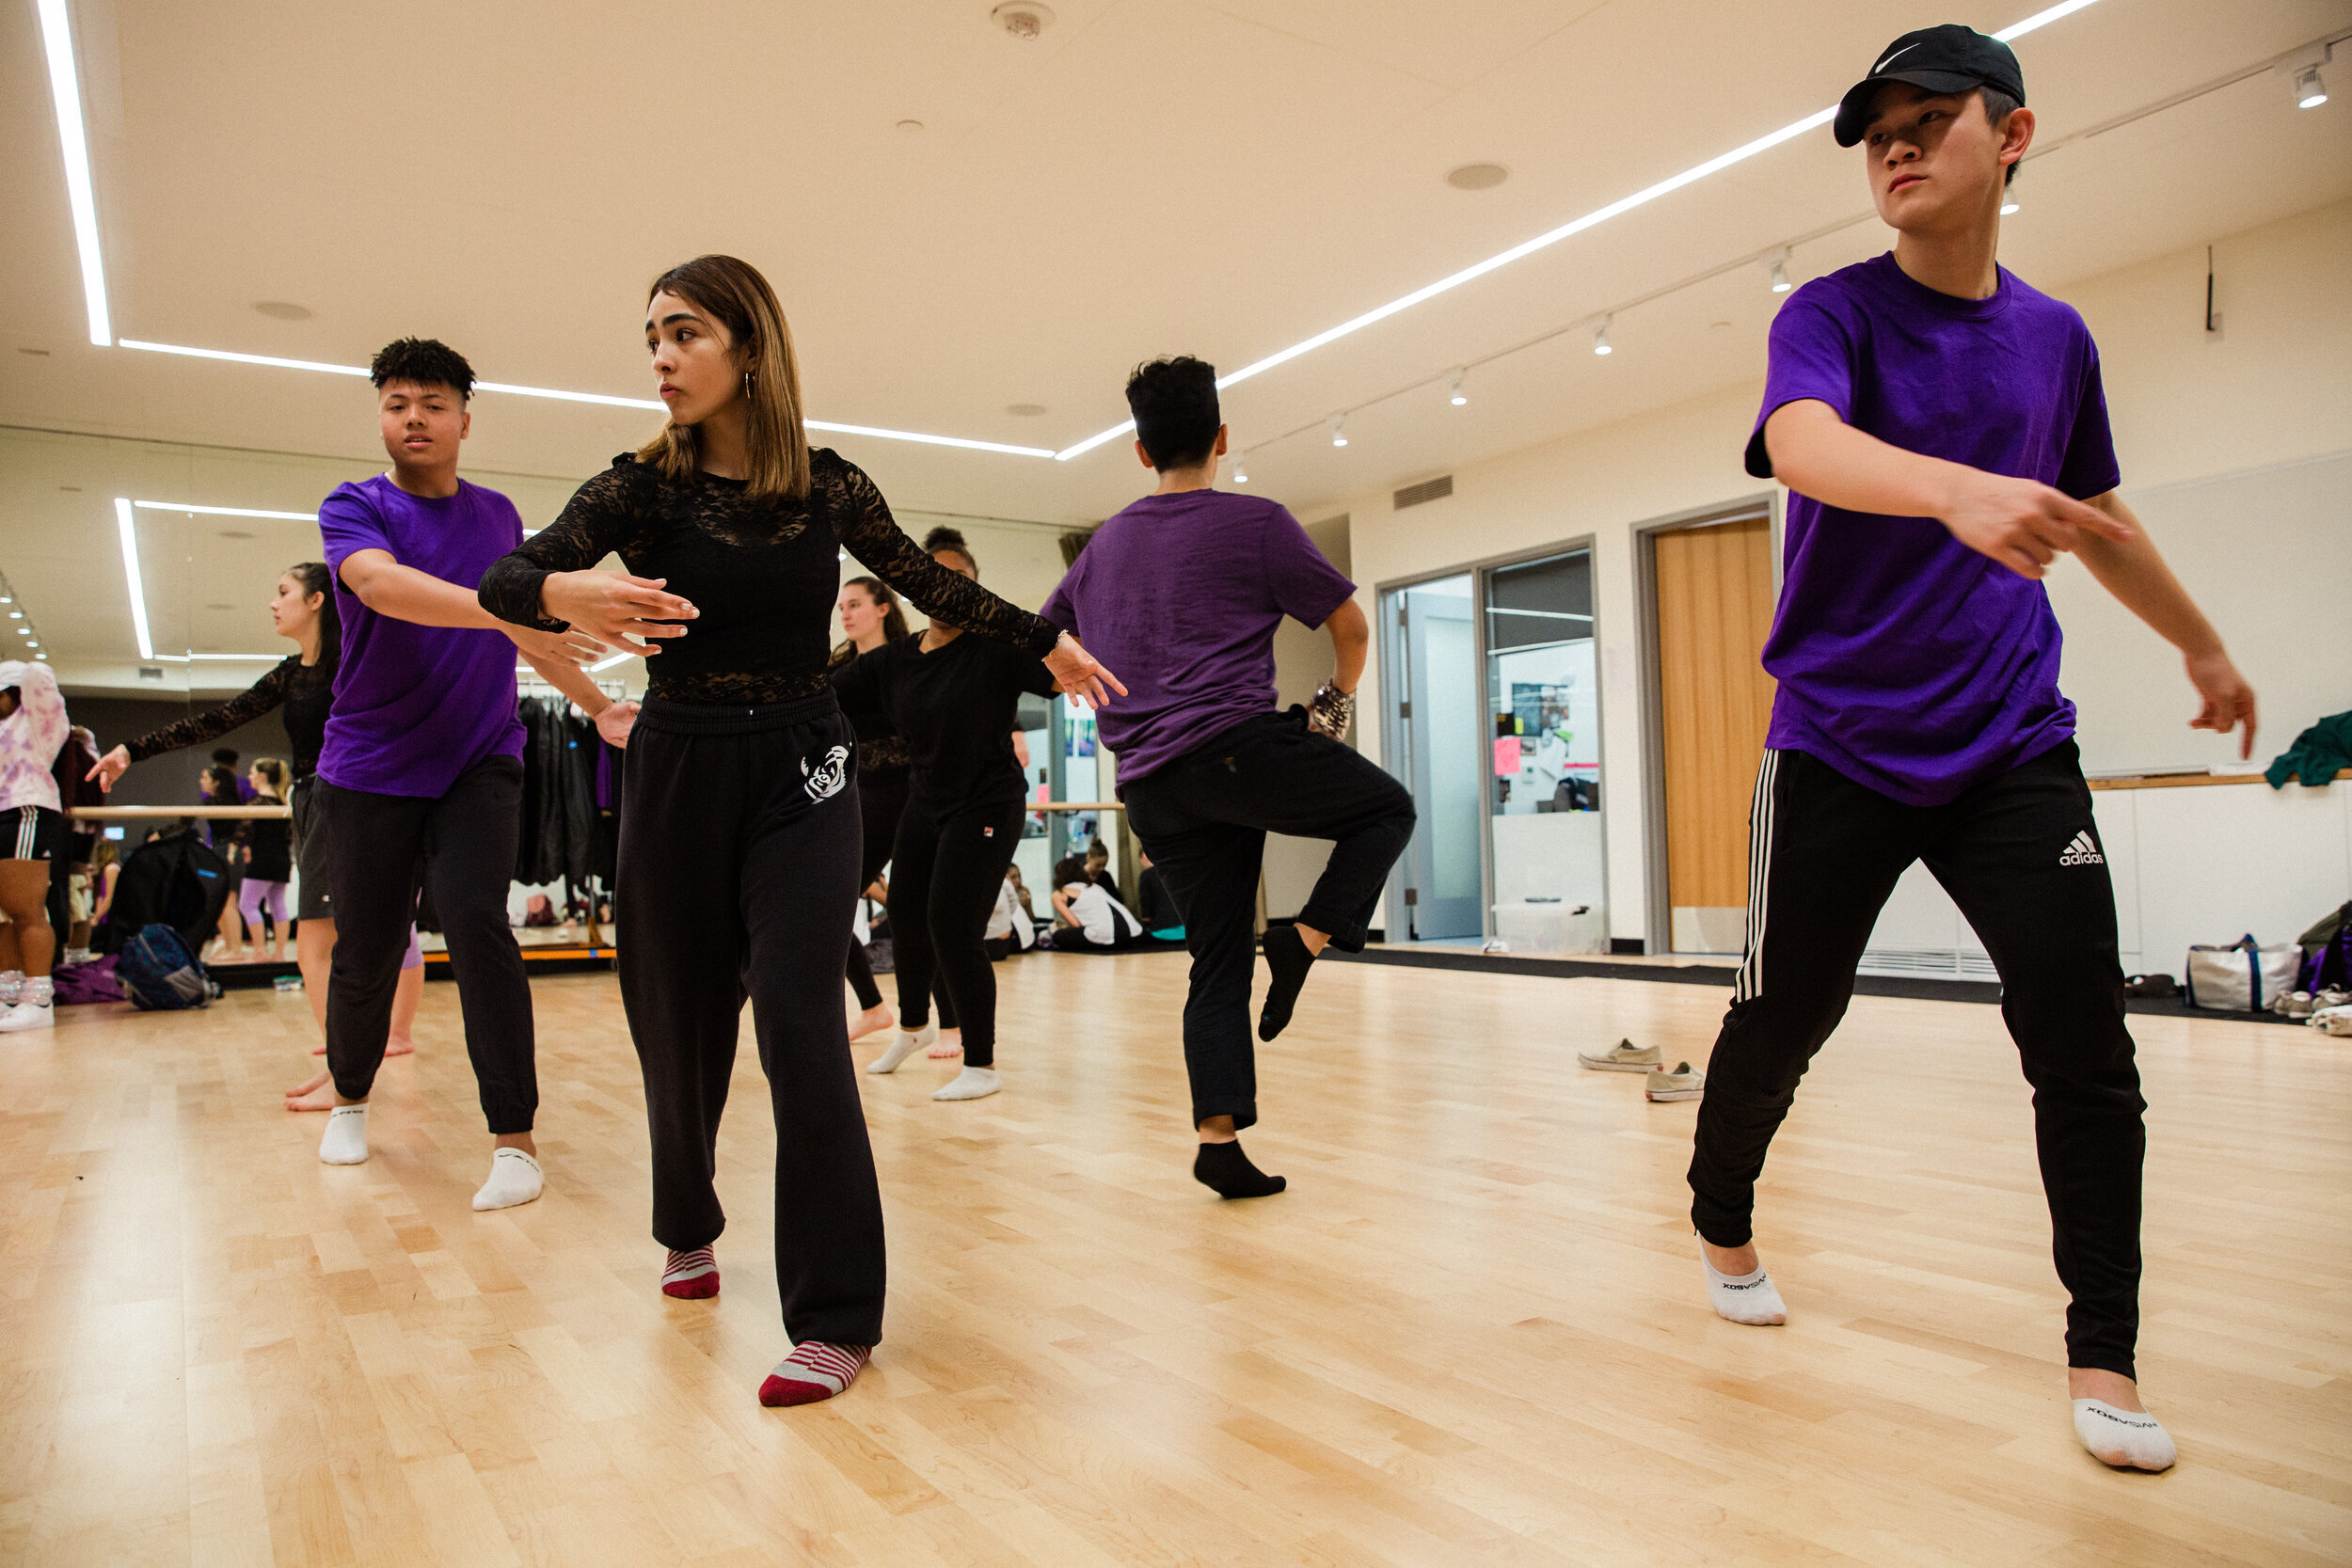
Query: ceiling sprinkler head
x,y
1024,19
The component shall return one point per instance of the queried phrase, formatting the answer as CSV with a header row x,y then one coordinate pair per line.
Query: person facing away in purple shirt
x,y
1182,592
1943,432
421,764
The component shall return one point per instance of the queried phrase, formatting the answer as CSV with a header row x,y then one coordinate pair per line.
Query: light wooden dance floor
x,y
1473,1332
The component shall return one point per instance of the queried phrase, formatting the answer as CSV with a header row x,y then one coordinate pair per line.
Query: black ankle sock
x,y
1226,1170
1286,955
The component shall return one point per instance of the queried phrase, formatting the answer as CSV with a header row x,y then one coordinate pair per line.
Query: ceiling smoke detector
x,y
1477,177
1024,19
283,311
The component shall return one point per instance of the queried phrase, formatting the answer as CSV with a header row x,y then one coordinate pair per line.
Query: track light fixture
x,y
1455,394
1240,470
1600,337
2310,91
1780,272
1339,430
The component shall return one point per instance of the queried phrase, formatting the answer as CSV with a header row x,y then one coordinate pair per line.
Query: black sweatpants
x,y
738,866
1204,817
881,799
2019,855
460,848
944,874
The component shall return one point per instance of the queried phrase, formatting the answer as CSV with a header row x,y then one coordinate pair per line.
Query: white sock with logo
x,y
515,1178
906,1045
345,1140
2126,1439
1744,1298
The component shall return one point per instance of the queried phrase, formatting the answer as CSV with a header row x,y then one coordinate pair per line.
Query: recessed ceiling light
x,y
1477,177
283,310
1026,410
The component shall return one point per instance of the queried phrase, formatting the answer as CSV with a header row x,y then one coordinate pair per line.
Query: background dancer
x,y
1184,590
1943,434
33,725
871,616
739,814
951,699
421,767
303,684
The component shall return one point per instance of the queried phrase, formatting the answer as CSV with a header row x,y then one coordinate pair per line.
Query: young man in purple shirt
x,y
421,776
1187,587
1943,434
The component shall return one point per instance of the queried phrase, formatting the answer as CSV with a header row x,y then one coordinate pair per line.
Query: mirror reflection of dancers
x,y
952,700
871,616
739,850
303,685
1182,590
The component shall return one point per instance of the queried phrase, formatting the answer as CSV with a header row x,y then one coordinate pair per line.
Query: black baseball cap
x,y
1950,58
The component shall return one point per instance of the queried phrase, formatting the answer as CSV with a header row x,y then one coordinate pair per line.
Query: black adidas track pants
x,y
2019,855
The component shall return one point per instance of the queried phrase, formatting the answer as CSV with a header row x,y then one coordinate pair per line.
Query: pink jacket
x,y
29,737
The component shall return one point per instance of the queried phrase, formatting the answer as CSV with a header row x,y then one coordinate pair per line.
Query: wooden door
x,y
1714,608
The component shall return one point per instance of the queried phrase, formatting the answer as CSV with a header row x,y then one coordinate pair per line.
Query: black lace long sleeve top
x,y
763,574
305,691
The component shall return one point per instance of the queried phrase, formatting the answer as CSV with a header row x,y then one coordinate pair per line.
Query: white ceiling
x,y
1148,178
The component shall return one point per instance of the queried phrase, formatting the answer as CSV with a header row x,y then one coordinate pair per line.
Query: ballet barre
x,y
173,814
1077,805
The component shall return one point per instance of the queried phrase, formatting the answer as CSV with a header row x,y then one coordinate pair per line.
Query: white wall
x,y
2218,434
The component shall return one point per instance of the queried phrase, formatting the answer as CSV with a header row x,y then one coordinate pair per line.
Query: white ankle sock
x,y
515,1178
973,1083
1747,1298
2126,1439
345,1140
901,1048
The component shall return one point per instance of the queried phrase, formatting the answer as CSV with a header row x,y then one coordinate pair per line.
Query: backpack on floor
x,y
174,878
157,971
2327,953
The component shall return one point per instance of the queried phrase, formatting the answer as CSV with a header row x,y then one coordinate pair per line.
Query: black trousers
x,y
1204,817
2019,855
881,799
738,866
460,847
944,875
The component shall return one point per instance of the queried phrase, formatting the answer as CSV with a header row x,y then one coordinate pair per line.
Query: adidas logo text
x,y
2082,851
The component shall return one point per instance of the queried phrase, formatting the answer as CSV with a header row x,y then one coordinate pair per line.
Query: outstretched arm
x,y
2133,570
2014,521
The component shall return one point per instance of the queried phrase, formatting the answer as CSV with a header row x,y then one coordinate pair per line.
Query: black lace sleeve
x,y
593,525
863,524
197,728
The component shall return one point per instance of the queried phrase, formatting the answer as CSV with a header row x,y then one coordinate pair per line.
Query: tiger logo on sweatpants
x,y
826,778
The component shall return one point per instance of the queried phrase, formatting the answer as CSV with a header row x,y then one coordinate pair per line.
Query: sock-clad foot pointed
x,y
690,1276
973,1083
2123,1439
1227,1171
514,1178
906,1044
345,1140
1744,1298
814,1371
1287,958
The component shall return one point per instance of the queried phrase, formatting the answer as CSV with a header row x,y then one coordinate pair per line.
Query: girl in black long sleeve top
x,y
739,850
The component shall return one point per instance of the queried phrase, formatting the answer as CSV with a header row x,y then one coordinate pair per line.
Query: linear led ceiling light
x,y
65,88
1550,237
130,532
603,398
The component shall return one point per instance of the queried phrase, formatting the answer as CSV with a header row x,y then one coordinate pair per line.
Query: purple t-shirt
x,y
1906,660
1179,596
415,706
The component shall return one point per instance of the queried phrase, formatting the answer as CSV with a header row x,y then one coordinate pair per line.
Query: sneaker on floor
x,y
813,1373
1624,1056
27,1015
691,1275
1684,1082
973,1083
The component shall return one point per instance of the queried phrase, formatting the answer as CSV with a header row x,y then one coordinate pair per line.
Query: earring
x,y
751,382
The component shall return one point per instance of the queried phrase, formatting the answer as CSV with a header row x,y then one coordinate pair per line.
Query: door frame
x,y
1658,933
1391,744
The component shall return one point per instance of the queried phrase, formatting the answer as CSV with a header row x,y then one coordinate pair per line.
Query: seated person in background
x,y
1099,869
1020,894
1098,923
1160,915
1011,930
1069,869
539,910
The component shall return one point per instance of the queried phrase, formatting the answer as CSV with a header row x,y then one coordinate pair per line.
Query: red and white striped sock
x,y
813,1373
690,1276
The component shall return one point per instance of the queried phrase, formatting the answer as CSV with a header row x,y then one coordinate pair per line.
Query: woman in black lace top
x,y
740,849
